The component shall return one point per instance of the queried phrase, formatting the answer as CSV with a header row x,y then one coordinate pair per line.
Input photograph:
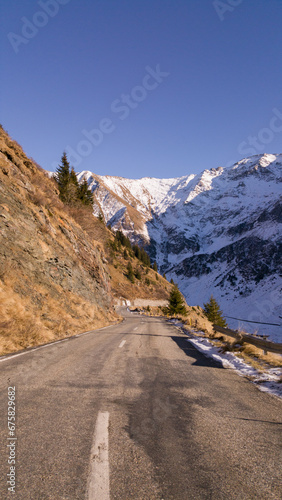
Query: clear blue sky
x,y
69,66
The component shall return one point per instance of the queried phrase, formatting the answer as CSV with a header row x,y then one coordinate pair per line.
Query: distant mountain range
x,y
217,233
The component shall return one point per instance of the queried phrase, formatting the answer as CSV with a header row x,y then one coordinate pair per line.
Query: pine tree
x,y
73,178
70,190
62,177
137,251
213,312
130,274
84,194
155,267
138,274
145,257
176,302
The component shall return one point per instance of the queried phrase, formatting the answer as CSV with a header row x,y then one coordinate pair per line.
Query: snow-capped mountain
x,y
217,232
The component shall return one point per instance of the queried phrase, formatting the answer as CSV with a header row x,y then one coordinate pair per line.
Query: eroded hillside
x,y
53,281
60,271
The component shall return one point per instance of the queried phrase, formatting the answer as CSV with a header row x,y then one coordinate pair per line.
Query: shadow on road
x,y
192,352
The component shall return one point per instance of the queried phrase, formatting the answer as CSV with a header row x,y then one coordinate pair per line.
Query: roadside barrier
x,y
265,345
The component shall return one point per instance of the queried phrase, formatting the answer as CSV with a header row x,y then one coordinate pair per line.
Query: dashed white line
x,y
122,343
135,328
99,481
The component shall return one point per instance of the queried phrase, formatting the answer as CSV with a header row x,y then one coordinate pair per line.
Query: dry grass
x,y
248,352
121,286
197,320
95,229
22,325
36,304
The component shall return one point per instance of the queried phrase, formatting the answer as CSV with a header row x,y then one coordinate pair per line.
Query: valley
x,y
217,233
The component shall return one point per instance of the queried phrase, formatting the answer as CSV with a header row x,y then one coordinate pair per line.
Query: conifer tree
x,y
130,274
84,194
213,312
176,302
138,274
73,178
70,190
62,177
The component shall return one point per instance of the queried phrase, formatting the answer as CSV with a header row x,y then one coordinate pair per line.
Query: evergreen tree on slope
x,y
70,190
62,177
213,312
84,194
176,302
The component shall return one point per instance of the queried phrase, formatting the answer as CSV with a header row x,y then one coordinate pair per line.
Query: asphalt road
x,y
166,422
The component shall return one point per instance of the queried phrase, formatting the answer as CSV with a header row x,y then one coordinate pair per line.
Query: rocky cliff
x,y
61,269
53,278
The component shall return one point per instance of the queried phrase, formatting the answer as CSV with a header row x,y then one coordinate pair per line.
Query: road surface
x,y
134,411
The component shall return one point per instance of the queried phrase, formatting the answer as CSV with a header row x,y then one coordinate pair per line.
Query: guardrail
x,y
266,345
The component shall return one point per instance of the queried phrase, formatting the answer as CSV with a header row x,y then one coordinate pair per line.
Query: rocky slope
x,y
217,232
53,281
60,269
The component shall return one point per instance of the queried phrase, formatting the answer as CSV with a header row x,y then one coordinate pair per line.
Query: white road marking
x,y
135,328
32,350
6,357
122,343
99,481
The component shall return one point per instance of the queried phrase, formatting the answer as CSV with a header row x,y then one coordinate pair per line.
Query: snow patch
x,y
266,382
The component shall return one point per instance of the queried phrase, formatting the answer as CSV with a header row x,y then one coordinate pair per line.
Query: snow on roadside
x,y
267,381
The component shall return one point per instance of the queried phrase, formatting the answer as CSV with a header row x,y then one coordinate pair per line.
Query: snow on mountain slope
x,y
217,232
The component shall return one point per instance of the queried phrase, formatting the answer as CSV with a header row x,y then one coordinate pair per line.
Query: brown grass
x,y
250,353
122,287
22,325
35,305
95,229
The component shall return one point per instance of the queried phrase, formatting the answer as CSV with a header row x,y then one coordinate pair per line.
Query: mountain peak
x,y
215,232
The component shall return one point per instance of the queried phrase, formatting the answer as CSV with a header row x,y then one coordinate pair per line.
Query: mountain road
x,y
134,411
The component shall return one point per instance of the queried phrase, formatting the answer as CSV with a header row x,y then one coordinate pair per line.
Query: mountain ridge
x,y
200,228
